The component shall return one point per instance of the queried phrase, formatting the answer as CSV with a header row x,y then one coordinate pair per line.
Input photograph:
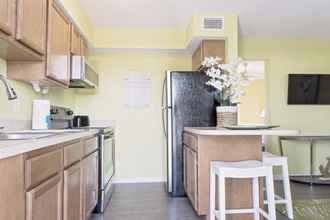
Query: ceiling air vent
x,y
213,23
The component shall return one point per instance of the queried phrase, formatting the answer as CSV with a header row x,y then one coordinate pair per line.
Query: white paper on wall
x,y
137,90
256,69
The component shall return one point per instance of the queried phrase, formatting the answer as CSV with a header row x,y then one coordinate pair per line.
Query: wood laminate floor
x,y
151,202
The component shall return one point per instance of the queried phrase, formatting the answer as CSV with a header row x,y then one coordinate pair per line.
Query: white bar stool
x,y
243,169
274,160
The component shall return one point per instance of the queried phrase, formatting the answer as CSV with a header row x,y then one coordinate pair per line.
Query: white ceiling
x,y
300,19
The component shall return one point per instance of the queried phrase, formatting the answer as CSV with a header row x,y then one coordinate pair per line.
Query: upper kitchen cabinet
x,y
75,41
7,10
31,24
11,48
208,48
54,71
58,53
84,47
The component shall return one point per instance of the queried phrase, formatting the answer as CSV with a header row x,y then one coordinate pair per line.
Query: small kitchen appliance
x,y
81,121
40,114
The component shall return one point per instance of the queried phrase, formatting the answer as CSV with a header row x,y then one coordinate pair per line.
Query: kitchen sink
x,y
23,136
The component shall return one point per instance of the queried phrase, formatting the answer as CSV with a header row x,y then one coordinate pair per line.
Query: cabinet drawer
x,y
40,168
190,141
72,153
91,145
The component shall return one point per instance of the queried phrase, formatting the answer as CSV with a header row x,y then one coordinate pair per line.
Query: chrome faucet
x,y
10,90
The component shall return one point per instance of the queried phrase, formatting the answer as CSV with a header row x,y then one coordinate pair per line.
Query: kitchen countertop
x,y
213,131
15,147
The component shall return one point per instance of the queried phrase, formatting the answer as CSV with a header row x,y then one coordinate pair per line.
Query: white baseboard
x,y
139,180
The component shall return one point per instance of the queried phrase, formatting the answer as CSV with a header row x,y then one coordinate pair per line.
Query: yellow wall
x,y
140,149
282,58
143,38
175,38
253,103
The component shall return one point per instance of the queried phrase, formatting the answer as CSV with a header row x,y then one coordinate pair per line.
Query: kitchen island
x,y
203,145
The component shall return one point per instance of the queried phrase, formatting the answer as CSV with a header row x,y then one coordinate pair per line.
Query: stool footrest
x,y
277,197
242,211
235,211
278,200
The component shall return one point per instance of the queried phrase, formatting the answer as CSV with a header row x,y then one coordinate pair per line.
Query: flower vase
x,y
227,116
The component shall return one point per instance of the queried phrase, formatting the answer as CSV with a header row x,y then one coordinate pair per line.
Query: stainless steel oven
x,y
107,168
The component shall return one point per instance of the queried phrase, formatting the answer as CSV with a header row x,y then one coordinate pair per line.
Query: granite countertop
x,y
213,131
16,147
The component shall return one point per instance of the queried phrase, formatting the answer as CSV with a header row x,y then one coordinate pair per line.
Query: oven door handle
x,y
104,139
113,157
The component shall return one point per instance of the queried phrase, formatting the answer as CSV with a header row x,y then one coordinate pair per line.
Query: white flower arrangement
x,y
228,79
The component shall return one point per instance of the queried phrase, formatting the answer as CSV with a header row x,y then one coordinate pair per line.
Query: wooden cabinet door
x,y
83,47
214,48
75,41
7,12
45,201
31,24
209,48
90,183
191,176
197,58
185,152
58,50
72,193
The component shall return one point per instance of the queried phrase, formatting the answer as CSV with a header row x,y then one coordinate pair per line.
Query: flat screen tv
x,y
309,89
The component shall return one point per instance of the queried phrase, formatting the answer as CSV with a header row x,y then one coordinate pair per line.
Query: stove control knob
x,y
69,112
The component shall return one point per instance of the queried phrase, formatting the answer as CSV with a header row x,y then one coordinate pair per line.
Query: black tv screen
x,y
309,89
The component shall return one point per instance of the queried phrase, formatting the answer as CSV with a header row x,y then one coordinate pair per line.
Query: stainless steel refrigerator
x,y
187,102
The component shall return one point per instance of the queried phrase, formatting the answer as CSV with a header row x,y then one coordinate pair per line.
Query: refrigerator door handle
x,y
164,107
164,111
163,121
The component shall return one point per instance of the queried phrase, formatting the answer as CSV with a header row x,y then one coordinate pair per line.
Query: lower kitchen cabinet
x,y
90,183
190,175
199,151
12,190
40,185
72,201
45,201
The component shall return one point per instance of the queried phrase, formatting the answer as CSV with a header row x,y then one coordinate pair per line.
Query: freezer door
x,y
193,105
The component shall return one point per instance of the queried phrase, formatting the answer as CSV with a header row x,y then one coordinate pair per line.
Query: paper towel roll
x,y
41,113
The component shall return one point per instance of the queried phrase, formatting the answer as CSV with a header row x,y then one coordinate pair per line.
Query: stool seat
x,y
272,159
251,169
246,164
241,169
280,161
